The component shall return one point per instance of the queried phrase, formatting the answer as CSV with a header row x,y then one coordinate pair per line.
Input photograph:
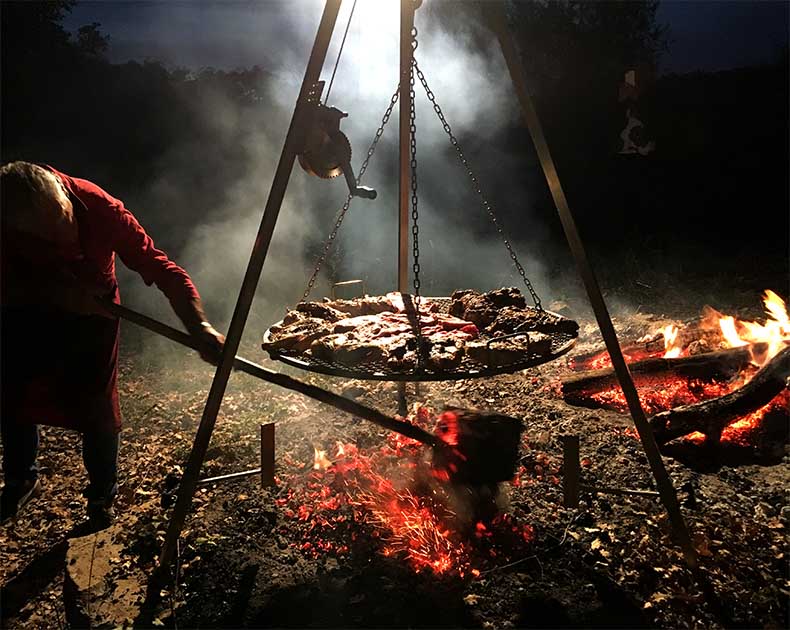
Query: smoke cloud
x,y
459,247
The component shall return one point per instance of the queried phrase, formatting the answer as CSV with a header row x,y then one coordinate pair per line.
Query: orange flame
x,y
320,460
672,346
720,332
775,332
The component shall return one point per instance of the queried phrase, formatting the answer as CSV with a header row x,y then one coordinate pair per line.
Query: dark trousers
x,y
99,453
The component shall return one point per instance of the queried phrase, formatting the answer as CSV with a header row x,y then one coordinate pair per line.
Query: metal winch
x,y
327,151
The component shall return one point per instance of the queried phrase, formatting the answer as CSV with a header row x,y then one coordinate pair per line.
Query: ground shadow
x,y
384,596
33,579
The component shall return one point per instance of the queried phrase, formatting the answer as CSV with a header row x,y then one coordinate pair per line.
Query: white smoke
x,y
459,246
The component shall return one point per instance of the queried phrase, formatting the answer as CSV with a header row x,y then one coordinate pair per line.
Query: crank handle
x,y
365,192
357,191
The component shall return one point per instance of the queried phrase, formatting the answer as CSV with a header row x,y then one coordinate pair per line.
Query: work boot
x,y
100,515
17,496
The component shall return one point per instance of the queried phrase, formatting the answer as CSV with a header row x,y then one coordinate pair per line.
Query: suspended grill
x,y
561,343
380,368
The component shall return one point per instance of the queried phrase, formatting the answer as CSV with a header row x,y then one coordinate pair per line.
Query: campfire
x,y
717,378
391,497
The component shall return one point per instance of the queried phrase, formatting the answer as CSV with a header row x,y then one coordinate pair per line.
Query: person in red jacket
x,y
60,237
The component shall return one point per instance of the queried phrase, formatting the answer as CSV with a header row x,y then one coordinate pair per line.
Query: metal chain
x,y
477,187
341,215
415,228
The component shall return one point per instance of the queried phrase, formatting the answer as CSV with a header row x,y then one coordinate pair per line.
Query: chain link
x,y
497,223
415,228
341,215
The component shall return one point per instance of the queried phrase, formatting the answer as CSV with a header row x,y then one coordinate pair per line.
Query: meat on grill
x,y
510,319
380,330
497,353
482,308
320,311
296,336
368,305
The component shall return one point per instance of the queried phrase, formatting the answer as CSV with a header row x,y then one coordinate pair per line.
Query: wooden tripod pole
x,y
293,142
664,484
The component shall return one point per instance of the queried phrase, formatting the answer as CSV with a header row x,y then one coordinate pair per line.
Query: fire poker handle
x,y
339,402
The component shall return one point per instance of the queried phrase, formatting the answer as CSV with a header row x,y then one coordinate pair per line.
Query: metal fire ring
x,y
561,343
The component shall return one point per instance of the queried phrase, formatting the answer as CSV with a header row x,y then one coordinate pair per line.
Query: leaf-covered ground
x,y
281,557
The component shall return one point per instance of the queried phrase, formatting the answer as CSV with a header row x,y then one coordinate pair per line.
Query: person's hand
x,y
210,342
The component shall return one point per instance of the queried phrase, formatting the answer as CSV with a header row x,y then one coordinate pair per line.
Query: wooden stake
x,y
571,470
267,455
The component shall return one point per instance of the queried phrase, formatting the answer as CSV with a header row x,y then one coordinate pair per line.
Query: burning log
x,y
696,337
711,366
711,416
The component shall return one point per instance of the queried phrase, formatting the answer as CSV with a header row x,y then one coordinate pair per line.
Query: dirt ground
x,y
253,557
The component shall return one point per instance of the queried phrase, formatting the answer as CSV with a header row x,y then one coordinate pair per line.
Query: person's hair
x,y
31,196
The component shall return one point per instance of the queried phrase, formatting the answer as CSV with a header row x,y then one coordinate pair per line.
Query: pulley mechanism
x,y
327,151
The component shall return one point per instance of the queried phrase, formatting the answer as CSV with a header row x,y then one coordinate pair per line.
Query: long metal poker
x,y
253,369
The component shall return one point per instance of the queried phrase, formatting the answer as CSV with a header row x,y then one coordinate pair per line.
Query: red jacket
x,y
58,367
106,228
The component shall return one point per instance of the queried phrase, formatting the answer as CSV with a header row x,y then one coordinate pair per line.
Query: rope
x,y
340,52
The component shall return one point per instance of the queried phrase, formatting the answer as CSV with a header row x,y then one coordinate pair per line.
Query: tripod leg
x,y
293,141
663,482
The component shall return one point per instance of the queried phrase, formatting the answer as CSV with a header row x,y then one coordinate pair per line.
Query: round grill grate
x,y
561,343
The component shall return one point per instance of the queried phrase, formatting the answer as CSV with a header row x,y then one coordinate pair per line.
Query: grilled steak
x,y
296,336
510,320
368,305
320,311
482,308
346,349
445,357
507,351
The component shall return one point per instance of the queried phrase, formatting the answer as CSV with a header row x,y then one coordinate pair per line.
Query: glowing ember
x,y
412,527
669,393
388,497
740,432
661,394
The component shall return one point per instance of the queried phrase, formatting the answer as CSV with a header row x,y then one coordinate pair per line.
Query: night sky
x,y
704,35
